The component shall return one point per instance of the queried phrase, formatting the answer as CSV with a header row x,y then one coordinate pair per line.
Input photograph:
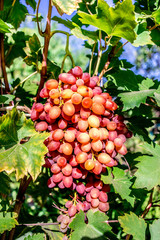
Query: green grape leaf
x,y
157,98
7,222
34,44
95,228
118,21
4,183
53,232
146,84
91,36
135,98
67,7
38,236
120,182
133,225
32,3
22,158
124,80
4,28
143,35
155,229
67,23
147,174
15,14
6,98
156,15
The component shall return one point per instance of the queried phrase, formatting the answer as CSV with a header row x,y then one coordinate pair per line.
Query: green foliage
x,y
95,228
53,232
23,157
4,28
7,222
155,229
114,21
66,7
120,182
148,168
133,225
39,236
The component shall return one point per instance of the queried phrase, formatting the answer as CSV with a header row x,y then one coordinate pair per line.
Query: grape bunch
x,y
85,138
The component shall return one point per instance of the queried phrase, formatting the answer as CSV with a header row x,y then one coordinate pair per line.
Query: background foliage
x,y
105,30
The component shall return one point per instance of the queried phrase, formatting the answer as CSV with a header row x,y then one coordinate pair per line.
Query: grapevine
x,y
85,137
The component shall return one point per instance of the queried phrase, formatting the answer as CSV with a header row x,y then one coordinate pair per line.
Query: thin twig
x,y
23,81
21,108
39,29
38,224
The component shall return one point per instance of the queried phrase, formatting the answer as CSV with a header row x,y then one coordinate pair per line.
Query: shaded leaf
x,y
39,236
147,175
34,44
135,98
4,183
67,7
32,3
118,21
133,225
7,222
6,98
91,36
53,232
120,182
22,158
155,229
4,28
157,98
95,228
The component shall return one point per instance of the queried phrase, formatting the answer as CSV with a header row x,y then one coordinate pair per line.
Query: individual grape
x,y
96,145
81,157
66,220
95,202
97,168
60,218
104,134
76,173
73,161
89,164
72,211
52,83
91,83
104,158
80,206
83,91
51,183
103,197
87,102
109,147
88,197
68,204
77,71
41,126
93,121
86,77
118,142
122,150
80,188
111,125
42,116
82,125
39,107
94,193
104,122
98,184
94,133
53,145
89,186
86,147
112,135
61,161
44,93
34,115
86,205
57,177
55,168
67,78
61,184
57,134
67,170
104,207
67,148
54,93
69,136
67,181
109,104
79,82
83,138
54,112
77,149
62,123
47,107
68,109
98,108
99,99
85,113
67,93
74,88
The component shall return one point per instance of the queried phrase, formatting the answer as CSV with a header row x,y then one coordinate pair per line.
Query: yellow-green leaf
x,y
67,7
7,222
